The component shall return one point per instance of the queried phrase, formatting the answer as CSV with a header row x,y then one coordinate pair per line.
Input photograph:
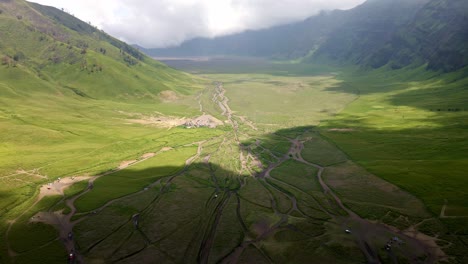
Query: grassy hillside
x,y
368,28
404,33
409,127
67,93
54,77
71,54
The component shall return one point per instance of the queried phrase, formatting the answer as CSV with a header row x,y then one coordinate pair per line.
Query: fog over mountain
x,y
376,33
160,23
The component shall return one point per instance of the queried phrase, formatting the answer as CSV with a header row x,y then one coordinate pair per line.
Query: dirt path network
x,y
222,101
62,222
363,231
366,229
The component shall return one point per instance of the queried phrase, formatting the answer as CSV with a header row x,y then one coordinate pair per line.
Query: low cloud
x,y
161,23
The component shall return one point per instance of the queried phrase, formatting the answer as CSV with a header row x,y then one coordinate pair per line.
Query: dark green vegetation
x,y
407,126
305,153
374,34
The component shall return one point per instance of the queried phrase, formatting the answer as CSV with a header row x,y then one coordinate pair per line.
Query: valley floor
x,y
305,168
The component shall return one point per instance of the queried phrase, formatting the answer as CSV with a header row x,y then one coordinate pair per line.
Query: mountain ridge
x,y
373,34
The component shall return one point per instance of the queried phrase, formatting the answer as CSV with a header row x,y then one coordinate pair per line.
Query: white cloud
x,y
158,23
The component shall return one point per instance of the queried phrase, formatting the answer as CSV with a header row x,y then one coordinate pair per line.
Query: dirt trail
x,y
199,100
209,237
220,98
54,188
223,102
63,222
365,229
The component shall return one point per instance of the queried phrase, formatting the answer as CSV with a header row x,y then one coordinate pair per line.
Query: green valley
x,y
109,156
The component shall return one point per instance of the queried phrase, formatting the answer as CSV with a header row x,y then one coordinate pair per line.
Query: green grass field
x,y
385,142
411,133
303,152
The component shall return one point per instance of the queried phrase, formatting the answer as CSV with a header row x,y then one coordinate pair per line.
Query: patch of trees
x,y
19,17
130,60
55,59
133,52
124,47
77,92
448,109
65,18
82,44
1,11
73,58
103,51
19,56
91,68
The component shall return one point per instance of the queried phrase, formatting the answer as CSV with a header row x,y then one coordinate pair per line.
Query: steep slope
x,y
282,42
439,33
376,33
399,35
70,54
67,92
368,28
336,32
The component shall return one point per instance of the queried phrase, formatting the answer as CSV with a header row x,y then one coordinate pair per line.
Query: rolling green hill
x,y
68,54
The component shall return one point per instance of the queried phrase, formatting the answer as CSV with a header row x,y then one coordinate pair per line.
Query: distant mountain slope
x,y
441,29
68,54
368,28
433,32
377,33
282,42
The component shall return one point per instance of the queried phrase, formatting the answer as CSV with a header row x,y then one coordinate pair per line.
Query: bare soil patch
x,y
170,121
204,121
149,155
125,164
158,121
58,186
168,96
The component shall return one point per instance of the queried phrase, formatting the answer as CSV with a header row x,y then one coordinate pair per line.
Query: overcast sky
x,y
160,23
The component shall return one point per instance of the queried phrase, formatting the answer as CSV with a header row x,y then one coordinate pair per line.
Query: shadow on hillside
x,y
190,192
437,104
451,98
206,174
